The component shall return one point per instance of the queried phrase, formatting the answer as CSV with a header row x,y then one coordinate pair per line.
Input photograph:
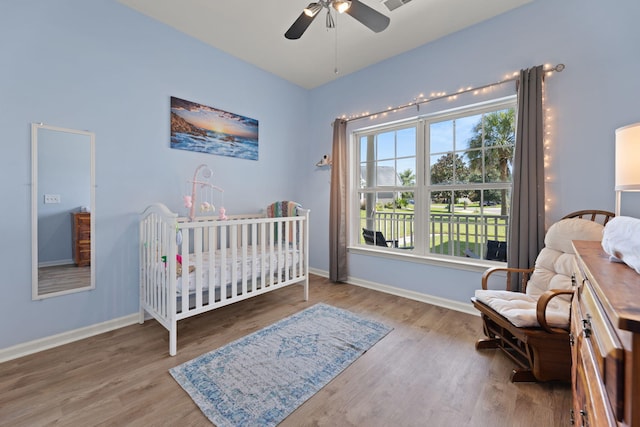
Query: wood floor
x,y
426,372
62,278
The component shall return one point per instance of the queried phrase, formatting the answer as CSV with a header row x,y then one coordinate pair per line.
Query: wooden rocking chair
x,y
532,327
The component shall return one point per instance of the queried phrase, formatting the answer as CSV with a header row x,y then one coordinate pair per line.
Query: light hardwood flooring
x,y
426,372
62,278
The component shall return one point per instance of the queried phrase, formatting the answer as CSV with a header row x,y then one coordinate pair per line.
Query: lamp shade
x,y
628,158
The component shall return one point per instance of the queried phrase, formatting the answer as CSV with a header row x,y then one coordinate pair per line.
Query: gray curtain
x,y
338,204
526,222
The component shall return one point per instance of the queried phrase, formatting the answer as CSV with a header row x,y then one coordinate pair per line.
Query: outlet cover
x,y
51,198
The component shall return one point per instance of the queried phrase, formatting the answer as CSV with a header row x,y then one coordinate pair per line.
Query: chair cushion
x,y
554,264
520,309
553,270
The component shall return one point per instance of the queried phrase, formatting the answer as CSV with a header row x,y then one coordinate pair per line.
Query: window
x,y
438,185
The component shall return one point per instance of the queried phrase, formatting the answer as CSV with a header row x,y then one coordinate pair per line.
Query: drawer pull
x,y
572,339
584,419
586,326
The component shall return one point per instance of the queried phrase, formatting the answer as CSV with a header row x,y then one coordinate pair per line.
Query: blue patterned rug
x,y
260,379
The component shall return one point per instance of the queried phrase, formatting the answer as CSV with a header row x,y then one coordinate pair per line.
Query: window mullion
x,y
421,208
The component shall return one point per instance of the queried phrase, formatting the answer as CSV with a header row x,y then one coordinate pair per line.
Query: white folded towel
x,y
621,240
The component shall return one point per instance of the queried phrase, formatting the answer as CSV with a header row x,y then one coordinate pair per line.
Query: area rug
x,y
261,378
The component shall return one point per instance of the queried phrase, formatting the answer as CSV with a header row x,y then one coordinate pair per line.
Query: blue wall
x,y
103,67
113,75
596,93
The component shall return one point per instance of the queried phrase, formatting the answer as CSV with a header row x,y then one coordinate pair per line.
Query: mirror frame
x,y
34,210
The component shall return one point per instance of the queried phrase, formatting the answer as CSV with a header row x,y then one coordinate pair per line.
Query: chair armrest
x,y
541,308
509,270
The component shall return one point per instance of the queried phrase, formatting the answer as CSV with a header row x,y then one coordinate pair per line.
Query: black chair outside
x,y
377,238
496,250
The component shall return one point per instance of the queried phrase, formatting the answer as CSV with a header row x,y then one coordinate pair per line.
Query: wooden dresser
x,y
81,227
605,336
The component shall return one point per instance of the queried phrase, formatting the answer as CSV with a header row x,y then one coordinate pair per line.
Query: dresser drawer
x,y
84,255
83,220
81,238
597,410
84,235
604,347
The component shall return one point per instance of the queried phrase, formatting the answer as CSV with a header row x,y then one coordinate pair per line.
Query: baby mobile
x,y
206,191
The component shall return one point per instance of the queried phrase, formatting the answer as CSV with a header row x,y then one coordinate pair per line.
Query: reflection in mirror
x,y
62,210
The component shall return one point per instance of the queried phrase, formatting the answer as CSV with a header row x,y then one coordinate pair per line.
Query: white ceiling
x,y
253,30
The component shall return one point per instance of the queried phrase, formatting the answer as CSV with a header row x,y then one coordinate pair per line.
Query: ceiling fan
x,y
367,16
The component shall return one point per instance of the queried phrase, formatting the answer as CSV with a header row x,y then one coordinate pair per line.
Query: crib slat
x,y
161,287
169,247
254,264
197,250
272,252
285,252
211,285
279,264
233,244
294,246
264,237
223,263
156,230
243,258
184,284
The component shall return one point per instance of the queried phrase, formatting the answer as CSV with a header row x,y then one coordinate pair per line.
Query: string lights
x,y
434,96
481,90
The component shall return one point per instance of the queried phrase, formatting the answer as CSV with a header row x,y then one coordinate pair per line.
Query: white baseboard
x,y
46,343
416,296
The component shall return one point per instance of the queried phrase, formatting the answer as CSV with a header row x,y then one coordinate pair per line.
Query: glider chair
x,y
532,327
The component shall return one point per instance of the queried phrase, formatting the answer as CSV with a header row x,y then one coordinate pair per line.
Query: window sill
x,y
468,264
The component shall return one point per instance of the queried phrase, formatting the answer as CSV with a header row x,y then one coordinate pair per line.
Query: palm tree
x,y
494,142
408,179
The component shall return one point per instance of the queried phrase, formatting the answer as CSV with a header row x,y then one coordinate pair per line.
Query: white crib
x,y
223,261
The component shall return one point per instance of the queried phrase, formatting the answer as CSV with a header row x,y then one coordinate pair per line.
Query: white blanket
x,y
621,240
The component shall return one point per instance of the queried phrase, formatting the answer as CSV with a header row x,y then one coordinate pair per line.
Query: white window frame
x,y
420,252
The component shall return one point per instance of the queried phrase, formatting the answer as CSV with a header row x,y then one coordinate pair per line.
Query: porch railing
x,y
449,234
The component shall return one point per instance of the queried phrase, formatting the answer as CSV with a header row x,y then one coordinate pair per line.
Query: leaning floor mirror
x,y
62,210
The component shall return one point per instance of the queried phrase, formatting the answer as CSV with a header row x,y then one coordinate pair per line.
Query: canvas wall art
x,y
204,129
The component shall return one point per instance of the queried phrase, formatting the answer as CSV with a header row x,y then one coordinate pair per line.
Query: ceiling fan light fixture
x,y
341,6
312,9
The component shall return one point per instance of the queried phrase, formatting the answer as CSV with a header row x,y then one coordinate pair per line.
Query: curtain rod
x,y
419,101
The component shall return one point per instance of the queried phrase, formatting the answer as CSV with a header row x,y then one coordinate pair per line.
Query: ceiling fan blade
x,y
368,16
300,26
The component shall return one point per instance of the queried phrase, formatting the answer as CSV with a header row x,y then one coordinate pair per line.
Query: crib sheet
x,y
284,257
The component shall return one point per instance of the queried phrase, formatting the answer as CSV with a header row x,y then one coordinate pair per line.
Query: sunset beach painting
x,y
196,127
